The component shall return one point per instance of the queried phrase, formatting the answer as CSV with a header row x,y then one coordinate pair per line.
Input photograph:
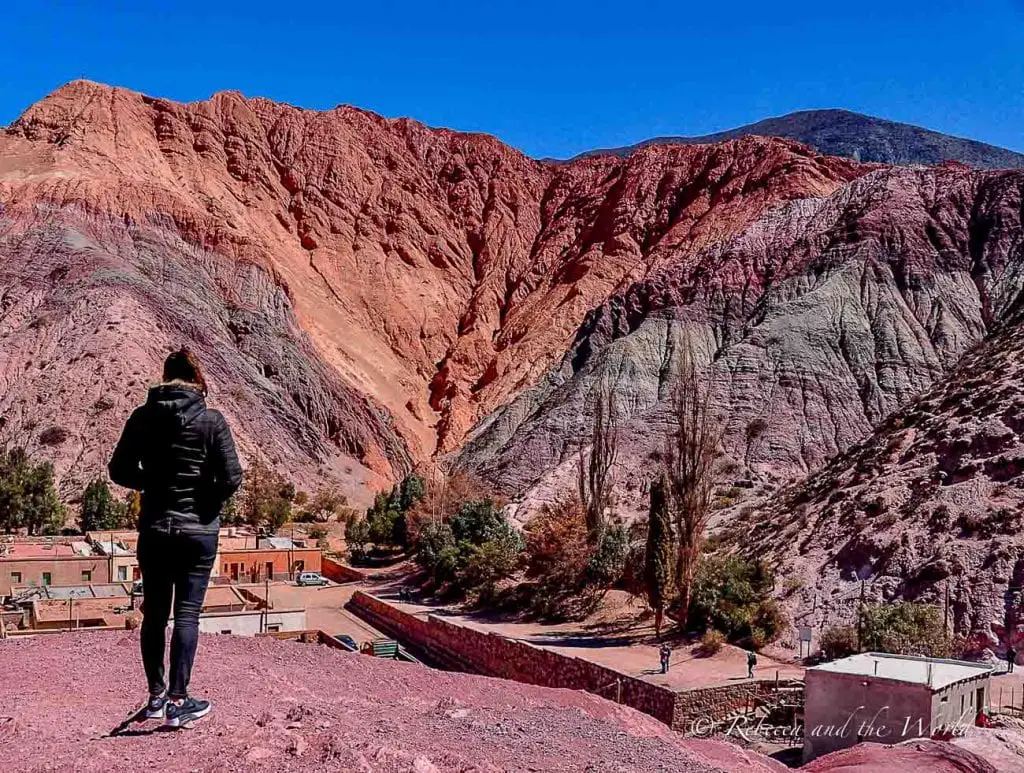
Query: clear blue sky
x,y
550,78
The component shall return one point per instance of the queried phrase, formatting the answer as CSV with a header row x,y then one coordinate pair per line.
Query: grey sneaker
x,y
156,708
187,711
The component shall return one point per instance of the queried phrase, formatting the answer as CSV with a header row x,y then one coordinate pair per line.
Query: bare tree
x,y
690,462
595,468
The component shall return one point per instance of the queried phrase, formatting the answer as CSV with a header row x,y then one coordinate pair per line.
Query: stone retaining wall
x,y
490,654
339,572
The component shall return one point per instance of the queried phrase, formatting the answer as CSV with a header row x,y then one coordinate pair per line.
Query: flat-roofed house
x,y
50,563
887,699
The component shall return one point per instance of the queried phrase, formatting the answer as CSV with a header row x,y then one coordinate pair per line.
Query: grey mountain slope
x,y
864,137
850,327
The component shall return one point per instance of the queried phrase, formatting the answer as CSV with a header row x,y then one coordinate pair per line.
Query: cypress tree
x,y
658,557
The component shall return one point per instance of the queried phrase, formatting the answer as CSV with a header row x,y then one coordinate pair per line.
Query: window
x,y
15,578
226,631
46,578
86,575
273,628
122,573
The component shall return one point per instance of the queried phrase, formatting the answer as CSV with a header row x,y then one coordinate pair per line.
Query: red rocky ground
x,y
284,706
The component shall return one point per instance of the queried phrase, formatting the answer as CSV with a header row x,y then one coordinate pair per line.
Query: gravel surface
x,y
286,706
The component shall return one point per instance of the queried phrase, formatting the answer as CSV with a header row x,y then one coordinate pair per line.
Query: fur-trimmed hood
x,y
175,403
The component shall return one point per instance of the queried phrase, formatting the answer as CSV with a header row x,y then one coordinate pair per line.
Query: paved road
x,y
324,607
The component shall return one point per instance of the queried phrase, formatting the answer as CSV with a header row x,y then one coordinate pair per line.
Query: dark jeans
x,y
177,564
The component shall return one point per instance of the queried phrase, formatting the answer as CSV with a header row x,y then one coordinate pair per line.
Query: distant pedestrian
x,y
751,662
666,656
1011,658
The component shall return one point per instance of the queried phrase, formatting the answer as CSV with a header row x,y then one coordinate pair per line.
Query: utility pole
x,y
860,616
945,613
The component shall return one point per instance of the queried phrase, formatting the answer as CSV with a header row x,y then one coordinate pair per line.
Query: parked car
x,y
347,640
311,578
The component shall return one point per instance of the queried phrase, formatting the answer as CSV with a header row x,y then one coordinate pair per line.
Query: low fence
x,y
464,648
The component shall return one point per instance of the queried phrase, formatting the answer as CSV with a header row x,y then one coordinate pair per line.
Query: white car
x,y
310,578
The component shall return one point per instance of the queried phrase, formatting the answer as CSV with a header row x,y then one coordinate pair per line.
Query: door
x,y
980,699
270,570
234,572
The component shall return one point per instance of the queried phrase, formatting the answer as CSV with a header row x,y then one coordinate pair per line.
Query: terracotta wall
x,y
63,570
339,572
251,565
467,649
494,655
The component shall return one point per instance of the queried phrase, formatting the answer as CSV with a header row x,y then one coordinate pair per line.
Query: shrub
x,y
767,623
436,552
474,552
904,629
731,595
839,641
711,643
53,436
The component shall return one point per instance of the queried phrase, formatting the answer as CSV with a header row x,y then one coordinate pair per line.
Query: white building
x,y
888,699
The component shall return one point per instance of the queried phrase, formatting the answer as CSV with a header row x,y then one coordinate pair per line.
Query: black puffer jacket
x,y
181,456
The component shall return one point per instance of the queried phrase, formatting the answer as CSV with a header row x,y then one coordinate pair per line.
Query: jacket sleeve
x,y
125,466
225,470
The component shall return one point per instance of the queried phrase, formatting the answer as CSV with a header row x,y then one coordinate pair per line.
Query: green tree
x,y
229,514
357,536
42,510
436,552
732,596
386,522
660,551
100,511
410,491
475,551
608,559
904,629
14,466
839,641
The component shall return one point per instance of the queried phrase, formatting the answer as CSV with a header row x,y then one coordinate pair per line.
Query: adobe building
x,y
276,558
120,554
108,606
50,563
881,698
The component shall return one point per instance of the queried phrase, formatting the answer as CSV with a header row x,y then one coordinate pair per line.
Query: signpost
x,y
805,633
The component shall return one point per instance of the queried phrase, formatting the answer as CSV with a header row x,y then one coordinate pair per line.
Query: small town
x,y
304,582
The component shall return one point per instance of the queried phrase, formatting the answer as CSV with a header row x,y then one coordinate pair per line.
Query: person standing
x,y
181,456
751,662
1011,658
666,656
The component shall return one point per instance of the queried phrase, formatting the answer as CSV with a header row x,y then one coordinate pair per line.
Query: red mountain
x,y
363,290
